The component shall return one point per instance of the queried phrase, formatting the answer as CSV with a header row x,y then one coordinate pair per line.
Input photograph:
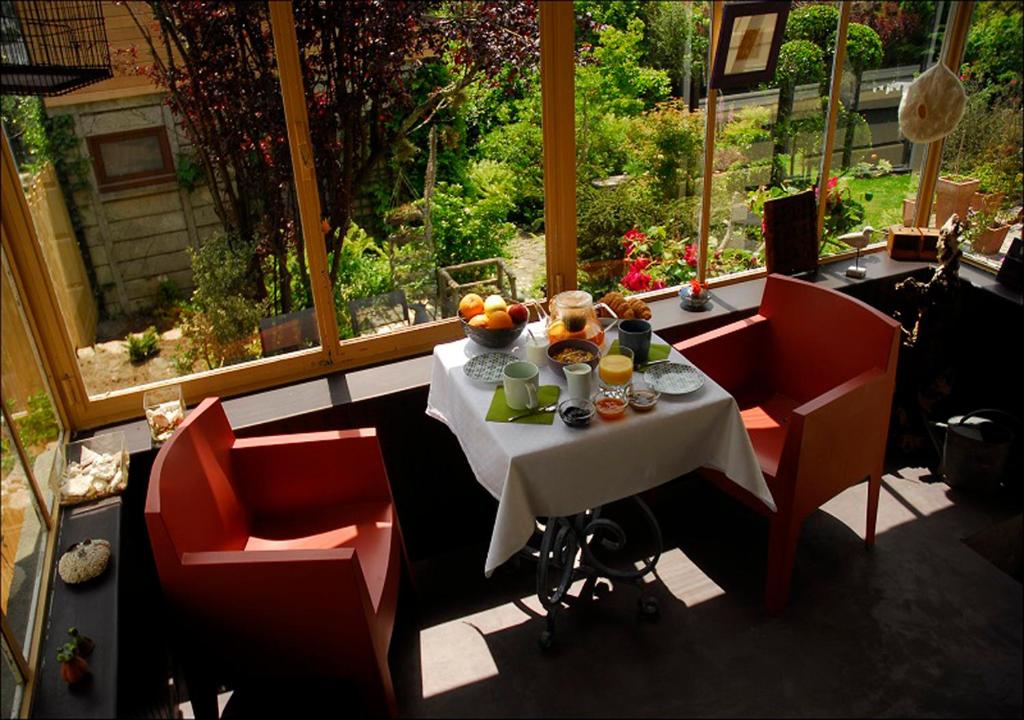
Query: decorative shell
x,y
84,561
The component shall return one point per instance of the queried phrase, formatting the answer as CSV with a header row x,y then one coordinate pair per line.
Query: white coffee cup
x,y
578,377
522,385
536,351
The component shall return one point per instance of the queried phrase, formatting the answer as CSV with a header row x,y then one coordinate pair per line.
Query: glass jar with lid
x,y
573,314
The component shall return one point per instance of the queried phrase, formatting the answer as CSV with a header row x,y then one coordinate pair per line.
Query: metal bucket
x,y
977,449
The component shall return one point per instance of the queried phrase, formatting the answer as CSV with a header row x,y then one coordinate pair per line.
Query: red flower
x,y
658,285
639,264
690,255
695,287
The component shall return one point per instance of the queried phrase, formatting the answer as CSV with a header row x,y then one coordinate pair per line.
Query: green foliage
x,y
188,172
519,146
38,425
800,62
751,124
995,45
611,78
364,271
220,322
22,118
670,27
469,226
816,24
668,142
6,457
141,346
167,308
863,48
605,214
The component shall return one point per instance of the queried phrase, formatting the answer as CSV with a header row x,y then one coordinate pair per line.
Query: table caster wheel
x,y
648,607
546,640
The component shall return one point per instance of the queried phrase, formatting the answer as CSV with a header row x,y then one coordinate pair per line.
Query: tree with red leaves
x,y
217,62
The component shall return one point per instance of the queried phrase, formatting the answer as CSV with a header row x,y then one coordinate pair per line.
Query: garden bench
x,y
450,291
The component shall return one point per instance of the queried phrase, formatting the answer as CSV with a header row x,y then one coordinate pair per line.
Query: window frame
x,y
107,183
557,70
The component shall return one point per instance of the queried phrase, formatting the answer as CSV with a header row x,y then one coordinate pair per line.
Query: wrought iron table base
x,y
567,539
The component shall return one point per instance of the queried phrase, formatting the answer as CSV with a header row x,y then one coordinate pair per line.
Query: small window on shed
x,y
131,159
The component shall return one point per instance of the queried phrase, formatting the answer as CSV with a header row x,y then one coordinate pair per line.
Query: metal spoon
x,y
536,411
644,366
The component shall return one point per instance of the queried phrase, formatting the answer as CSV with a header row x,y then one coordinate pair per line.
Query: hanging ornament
x,y
932,105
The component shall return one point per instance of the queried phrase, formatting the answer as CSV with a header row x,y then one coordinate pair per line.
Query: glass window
x,y
161,281
769,139
640,78
131,158
11,685
24,543
982,166
428,156
27,393
888,45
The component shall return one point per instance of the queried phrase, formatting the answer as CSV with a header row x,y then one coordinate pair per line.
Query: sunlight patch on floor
x,y
685,580
902,499
185,708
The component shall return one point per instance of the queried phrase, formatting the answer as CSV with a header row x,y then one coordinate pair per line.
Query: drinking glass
x,y
165,409
616,369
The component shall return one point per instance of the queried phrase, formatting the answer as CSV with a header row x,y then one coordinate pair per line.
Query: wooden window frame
x,y
557,70
106,183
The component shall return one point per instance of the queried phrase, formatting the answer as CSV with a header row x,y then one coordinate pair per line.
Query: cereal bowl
x,y
572,351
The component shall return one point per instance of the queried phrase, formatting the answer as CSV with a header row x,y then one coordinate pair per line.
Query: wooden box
x,y
904,243
929,244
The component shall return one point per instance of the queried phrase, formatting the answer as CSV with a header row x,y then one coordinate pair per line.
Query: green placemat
x,y
657,352
501,412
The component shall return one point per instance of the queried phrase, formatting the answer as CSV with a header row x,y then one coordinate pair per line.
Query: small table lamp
x,y
858,240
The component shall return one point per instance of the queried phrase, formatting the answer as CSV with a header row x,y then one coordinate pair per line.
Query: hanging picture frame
x,y
748,43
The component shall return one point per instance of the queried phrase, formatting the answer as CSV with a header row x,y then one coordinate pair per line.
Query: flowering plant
x,y
654,261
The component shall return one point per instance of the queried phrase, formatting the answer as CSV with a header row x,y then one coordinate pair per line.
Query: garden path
x,y
527,255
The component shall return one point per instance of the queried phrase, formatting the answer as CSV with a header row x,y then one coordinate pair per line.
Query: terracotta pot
x,y
952,196
987,202
909,211
74,670
990,240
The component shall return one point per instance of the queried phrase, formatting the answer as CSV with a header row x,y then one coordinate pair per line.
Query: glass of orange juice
x,y
616,369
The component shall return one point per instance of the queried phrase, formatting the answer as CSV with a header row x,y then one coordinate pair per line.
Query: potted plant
x,y
988,198
953,194
987,232
73,667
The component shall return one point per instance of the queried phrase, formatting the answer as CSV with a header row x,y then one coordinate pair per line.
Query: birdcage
x,y
51,47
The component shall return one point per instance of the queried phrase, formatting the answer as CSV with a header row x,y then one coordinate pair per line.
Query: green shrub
x,y
995,45
751,124
141,346
611,77
669,143
469,228
800,62
863,48
220,323
519,146
38,425
814,23
363,272
605,214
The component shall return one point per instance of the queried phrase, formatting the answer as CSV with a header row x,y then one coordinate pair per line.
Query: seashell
x,y
84,561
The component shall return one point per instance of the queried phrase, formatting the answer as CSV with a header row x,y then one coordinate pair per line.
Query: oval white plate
x,y
674,378
489,367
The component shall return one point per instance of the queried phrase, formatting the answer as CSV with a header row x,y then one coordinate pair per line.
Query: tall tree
x,y
217,61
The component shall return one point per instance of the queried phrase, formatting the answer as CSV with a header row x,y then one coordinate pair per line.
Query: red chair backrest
x,y
191,505
821,338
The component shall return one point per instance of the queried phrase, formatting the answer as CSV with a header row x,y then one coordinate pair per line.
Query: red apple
x,y
518,313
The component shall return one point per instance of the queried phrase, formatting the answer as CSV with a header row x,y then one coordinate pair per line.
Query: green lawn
x,y
885,207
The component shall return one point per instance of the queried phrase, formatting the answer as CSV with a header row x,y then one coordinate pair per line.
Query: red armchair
x,y
813,373
284,551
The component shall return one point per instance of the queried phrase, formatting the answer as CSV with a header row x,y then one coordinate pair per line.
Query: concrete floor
x,y
920,626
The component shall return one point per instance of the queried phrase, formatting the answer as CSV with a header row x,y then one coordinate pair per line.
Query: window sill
x,y
728,303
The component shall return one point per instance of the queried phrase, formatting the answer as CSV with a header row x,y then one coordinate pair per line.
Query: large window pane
x,y
29,401
888,45
425,122
640,79
202,266
982,160
24,543
768,139
11,685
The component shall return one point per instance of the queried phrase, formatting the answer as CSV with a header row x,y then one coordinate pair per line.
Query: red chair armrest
x,y
839,437
283,474
730,355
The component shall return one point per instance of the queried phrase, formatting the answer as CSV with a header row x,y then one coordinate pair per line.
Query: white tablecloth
x,y
554,470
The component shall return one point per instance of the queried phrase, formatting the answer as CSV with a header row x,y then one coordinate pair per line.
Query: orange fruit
x,y
479,321
556,331
499,320
471,305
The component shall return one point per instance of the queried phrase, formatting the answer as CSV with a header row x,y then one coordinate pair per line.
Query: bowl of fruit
x,y
492,322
